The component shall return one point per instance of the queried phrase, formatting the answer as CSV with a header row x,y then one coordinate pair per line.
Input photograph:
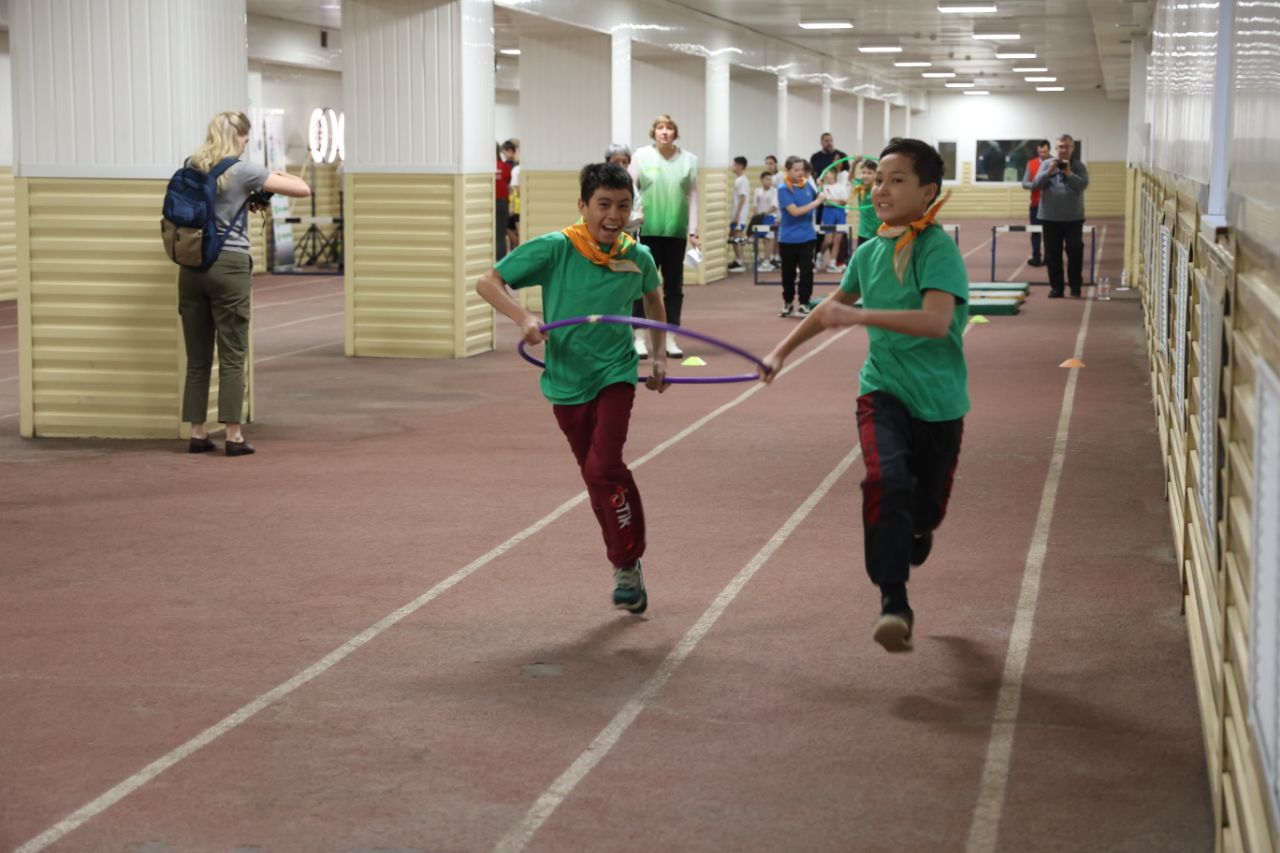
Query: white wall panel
x,y
506,115
118,88
6,103
418,85
552,135
674,86
844,122
1099,121
753,110
1180,76
804,120
290,43
1256,96
296,92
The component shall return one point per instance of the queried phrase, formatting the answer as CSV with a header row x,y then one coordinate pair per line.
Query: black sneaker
x,y
628,589
736,267
893,630
921,545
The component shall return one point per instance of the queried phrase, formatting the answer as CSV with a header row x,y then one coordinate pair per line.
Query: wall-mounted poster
x,y
1183,296
1162,274
1264,599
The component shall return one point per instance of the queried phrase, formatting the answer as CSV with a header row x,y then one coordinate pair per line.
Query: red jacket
x,y
502,180
1033,169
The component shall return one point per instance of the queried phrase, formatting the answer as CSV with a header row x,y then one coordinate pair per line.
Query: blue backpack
x,y
189,226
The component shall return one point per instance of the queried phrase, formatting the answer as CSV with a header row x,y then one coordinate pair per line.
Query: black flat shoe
x,y
239,448
201,445
1055,294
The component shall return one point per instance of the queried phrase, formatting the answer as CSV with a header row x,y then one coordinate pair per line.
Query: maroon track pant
x,y
597,431
911,465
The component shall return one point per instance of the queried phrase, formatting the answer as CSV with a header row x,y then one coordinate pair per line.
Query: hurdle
x,y
1039,229
760,232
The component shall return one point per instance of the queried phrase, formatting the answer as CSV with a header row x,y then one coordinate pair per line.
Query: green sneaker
x,y
628,589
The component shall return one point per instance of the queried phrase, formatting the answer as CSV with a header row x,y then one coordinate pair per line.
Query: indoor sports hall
x,y
388,627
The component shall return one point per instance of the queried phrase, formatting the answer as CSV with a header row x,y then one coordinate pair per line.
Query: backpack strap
x,y
223,164
221,237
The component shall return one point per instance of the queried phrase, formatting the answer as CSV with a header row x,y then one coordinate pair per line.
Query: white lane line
x,y
7,351
6,417
985,242
9,378
561,788
272,288
985,829
303,320
10,326
542,809
1018,271
294,352
142,777
258,306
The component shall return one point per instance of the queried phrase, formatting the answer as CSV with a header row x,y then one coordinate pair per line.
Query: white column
x,y
100,349
906,126
826,108
717,153
419,209
620,67
417,85
888,116
862,114
783,154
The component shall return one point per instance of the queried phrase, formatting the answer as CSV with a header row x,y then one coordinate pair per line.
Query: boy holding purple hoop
x,y
593,267
914,385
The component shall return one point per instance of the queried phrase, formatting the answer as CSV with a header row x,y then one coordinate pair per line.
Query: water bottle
x,y
1104,289
1124,281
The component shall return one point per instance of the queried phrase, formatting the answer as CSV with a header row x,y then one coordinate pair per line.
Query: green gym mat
x,y
994,306
1005,286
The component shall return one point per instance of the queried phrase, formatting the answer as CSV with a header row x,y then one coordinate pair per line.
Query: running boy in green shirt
x,y
914,395
593,267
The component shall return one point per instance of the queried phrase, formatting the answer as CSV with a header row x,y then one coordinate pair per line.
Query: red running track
x,y
146,595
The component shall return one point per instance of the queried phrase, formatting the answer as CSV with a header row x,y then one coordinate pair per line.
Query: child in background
x,y
833,213
593,267
766,207
914,385
868,222
738,219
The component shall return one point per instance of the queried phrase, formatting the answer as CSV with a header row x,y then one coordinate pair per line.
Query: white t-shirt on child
x,y
741,190
766,201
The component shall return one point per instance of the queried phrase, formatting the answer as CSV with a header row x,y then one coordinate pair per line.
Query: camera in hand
x,y
1062,164
261,198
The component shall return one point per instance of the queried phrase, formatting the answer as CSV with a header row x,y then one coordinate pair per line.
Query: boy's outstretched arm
x,y
654,309
932,320
809,327
493,289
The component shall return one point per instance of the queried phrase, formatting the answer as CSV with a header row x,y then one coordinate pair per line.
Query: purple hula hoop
x,y
645,323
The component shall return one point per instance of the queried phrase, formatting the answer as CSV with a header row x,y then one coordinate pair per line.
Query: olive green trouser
x,y
214,305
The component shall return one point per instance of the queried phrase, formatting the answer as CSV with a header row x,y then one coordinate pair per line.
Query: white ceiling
x,y
1084,43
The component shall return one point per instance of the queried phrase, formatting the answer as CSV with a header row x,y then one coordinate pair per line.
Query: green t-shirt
x,y
928,375
664,187
583,359
868,221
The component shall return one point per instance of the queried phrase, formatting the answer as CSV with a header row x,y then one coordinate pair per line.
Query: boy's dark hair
x,y
1043,143
926,162
609,176
741,161
766,174
509,145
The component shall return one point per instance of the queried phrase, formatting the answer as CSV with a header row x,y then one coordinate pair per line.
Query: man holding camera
x,y
1062,182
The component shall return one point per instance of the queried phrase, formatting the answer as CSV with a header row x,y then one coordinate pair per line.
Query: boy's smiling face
x,y
898,196
606,214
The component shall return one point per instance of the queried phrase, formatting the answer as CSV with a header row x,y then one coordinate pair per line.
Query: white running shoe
x,y
642,349
673,348
765,266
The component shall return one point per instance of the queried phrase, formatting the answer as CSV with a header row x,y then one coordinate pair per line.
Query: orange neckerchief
x,y
587,246
862,190
907,234
787,181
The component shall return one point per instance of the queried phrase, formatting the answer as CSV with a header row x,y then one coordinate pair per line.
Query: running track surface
x,y
147,596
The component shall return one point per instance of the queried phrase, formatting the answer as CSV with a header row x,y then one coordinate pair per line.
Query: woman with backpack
x,y
214,303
